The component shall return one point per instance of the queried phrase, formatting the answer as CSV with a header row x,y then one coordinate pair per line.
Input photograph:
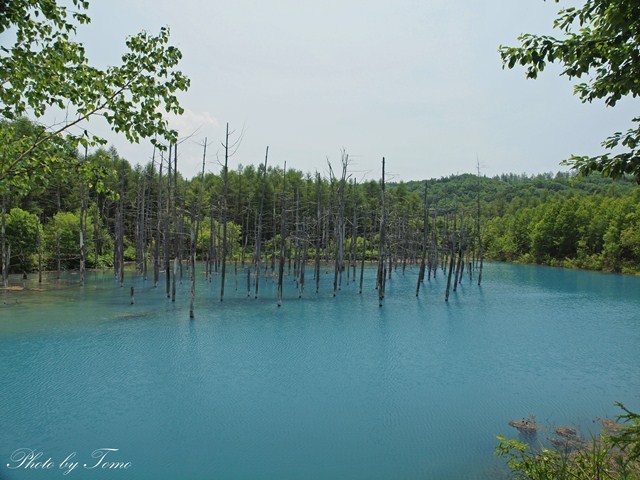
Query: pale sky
x,y
419,82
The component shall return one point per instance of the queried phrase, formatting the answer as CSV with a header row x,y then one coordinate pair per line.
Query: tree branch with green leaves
x,y
45,69
600,46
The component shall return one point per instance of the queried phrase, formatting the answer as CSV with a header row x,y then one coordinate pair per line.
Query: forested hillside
x,y
591,222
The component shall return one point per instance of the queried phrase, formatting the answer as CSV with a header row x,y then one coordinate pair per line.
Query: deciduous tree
x,y
600,46
43,67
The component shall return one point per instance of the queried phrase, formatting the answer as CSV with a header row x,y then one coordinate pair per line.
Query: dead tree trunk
x,y
433,255
305,252
340,224
5,259
318,231
82,209
193,244
82,247
138,225
156,253
458,253
118,251
259,232
192,268
354,233
425,236
462,251
173,280
143,222
381,246
167,230
225,191
283,235
39,252
275,231
480,252
96,234
178,223
58,261
116,245
296,238
364,249
452,258
121,232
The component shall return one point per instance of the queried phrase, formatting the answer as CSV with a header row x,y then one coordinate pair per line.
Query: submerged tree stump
x,y
567,440
610,426
526,426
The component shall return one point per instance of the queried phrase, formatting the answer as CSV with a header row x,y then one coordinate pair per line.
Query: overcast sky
x,y
419,82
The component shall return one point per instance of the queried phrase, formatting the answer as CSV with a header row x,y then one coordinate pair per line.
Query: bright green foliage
x,y
595,232
615,455
63,230
22,235
204,235
36,168
44,67
601,46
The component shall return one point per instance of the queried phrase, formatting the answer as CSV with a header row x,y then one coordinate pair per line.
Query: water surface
x,y
321,388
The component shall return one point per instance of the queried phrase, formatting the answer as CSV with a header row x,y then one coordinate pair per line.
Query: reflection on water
x,y
320,388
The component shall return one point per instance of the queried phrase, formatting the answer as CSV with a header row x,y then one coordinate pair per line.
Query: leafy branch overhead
x,y
45,68
600,46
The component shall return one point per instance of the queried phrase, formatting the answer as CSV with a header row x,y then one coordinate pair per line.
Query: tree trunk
x,y
5,259
143,221
364,249
225,189
318,232
354,234
58,262
381,246
156,254
296,252
82,208
480,252
451,259
178,223
259,232
96,235
459,254
121,229
283,235
425,236
340,227
305,251
39,253
167,230
192,265
193,244
173,280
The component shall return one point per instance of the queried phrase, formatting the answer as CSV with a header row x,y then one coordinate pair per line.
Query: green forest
x,y
100,210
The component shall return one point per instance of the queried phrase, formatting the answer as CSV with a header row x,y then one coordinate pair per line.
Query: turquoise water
x,y
323,388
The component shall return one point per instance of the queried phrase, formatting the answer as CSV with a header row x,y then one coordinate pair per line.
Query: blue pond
x,y
322,388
